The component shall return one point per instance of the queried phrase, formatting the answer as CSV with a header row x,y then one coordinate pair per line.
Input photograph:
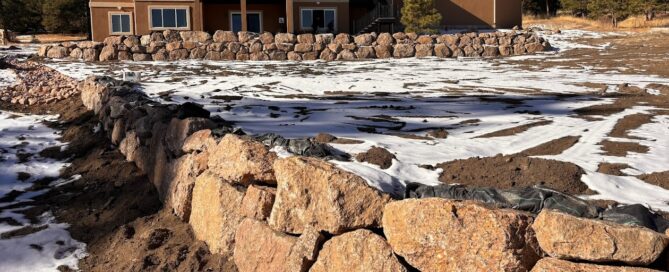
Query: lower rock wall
x,y
226,45
305,214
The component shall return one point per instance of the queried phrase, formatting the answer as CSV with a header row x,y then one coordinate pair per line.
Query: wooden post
x,y
244,17
290,28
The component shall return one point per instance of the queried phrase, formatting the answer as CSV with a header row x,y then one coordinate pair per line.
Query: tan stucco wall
x,y
217,16
142,14
342,13
466,12
100,21
509,13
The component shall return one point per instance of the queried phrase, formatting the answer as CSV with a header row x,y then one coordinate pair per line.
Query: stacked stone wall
x,y
305,214
226,45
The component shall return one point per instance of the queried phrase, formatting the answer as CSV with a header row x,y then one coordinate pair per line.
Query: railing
x,y
379,11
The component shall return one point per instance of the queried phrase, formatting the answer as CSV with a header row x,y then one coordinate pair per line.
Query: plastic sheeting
x,y
534,199
303,147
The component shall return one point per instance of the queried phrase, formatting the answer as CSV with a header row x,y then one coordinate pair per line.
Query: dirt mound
x,y
553,147
612,168
628,123
159,242
515,130
621,149
658,178
378,156
113,207
505,172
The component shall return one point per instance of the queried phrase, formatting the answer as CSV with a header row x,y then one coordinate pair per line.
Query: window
x,y
319,20
253,21
120,23
169,18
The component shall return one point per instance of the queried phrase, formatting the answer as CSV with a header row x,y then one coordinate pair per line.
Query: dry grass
x,y
50,38
567,22
640,22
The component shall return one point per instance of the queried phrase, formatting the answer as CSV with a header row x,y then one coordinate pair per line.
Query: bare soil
x,y
553,147
621,149
113,207
515,130
658,178
377,156
628,123
505,172
612,168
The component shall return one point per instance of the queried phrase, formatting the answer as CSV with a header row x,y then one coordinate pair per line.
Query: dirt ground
x,y
113,208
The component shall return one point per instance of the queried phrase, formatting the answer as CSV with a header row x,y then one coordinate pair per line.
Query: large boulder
x,y
364,39
342,38
441,50
424,50
195,36
312,192
557,265
108,53
328,55
346,55
326,38
57,52
240,160
306,38
434,234
285,38
404,51
266,38
258,202
91,54
568,237
383,51
178,188
215,212
258,248
365,52
359,250
221,36
385,39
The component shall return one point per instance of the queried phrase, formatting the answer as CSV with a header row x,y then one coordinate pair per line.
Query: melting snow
x,y
22,137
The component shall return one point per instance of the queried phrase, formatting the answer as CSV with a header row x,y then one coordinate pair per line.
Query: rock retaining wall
x,y
226,45
305,214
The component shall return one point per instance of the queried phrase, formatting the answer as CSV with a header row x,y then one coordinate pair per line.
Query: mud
x,y
505,172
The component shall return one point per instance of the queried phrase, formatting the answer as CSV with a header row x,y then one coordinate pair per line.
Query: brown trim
x,y
290,17
336,21
110,5
259,12
188,17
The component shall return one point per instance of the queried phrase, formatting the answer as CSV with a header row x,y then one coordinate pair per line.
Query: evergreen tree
x,y
65,16
576,7
21,15
420,16
616,10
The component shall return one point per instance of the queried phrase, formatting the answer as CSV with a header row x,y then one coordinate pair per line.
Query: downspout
x,y
90,15
494,15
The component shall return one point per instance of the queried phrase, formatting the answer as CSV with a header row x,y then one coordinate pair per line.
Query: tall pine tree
x,y
420,16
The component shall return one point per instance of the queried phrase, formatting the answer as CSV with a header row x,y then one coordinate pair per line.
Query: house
x,y
140,17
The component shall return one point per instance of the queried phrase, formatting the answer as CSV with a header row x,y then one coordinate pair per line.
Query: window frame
x,y
312,16
111,24
188,18
258,12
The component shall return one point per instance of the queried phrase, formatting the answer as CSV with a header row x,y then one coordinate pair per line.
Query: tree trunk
x,y
548,8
